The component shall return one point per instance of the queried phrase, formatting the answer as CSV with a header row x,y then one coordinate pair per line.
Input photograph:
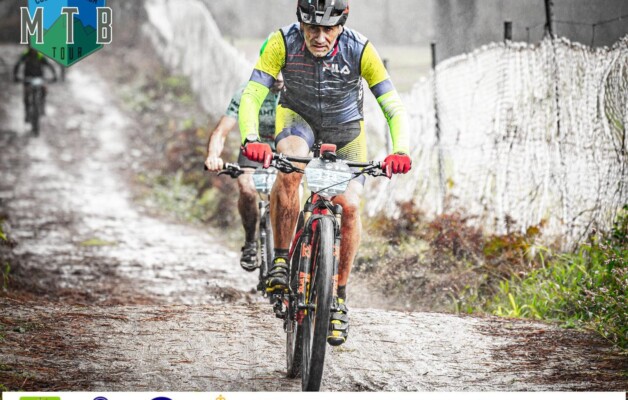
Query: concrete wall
x,y
463,25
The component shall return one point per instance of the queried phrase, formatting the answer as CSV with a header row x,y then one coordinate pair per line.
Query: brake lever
x,y
285,166
372,170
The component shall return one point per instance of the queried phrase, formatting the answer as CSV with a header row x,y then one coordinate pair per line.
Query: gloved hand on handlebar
x,y
398,163
256,151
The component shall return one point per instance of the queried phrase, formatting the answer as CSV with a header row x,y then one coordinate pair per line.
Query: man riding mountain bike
x,y
323,64
34,63
247,202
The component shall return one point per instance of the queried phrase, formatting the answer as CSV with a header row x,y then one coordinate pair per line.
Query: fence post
x,y
549,26
549,29
507,31
440,201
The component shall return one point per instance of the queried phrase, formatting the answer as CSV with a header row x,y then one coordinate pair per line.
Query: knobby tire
x,y
316,322
294,334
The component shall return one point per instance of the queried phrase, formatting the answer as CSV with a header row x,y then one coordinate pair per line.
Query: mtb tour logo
x,y
66,30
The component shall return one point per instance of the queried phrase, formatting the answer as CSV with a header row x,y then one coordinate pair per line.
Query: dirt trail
x,y
124,301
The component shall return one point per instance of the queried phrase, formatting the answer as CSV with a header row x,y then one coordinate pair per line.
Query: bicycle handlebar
x,y
231,169
284,164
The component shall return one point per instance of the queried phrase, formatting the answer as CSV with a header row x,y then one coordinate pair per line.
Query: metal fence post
x,y
549,26
508,31
441,173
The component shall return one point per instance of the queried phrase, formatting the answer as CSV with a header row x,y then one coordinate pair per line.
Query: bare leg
x,y
247,206
351,230
284,210
284,203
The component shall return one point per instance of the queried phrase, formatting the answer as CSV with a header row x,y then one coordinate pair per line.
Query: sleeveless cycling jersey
x,y
325,91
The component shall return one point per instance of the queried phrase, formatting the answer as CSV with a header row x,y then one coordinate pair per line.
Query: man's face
x,y
320,39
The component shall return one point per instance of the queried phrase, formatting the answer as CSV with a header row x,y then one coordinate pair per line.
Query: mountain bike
x,y
314,254
263,178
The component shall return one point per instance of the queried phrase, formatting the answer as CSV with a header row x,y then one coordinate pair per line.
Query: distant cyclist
x,y
323,64
34,64
247,202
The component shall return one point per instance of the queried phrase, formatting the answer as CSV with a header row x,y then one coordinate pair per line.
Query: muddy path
x,y
107,297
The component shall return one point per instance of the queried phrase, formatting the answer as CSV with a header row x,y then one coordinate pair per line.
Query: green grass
x,y
174,195
507,275
587,288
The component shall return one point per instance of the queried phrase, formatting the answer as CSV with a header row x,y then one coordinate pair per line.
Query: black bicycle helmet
x,y
323,12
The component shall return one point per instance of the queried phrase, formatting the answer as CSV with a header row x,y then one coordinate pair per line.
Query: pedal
x,y
279,307
279,311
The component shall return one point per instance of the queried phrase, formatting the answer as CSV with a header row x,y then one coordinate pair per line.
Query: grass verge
x,y
446,264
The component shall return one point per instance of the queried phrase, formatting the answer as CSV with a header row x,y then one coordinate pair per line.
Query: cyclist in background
x,y
34,63
247,202
323,64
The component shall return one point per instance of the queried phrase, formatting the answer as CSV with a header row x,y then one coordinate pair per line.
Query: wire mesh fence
x,y
528,135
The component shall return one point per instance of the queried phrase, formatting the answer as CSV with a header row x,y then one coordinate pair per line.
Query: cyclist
x,y
247,202
323,64
34,63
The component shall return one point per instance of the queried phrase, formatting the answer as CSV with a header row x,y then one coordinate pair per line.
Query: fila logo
x,y
335,69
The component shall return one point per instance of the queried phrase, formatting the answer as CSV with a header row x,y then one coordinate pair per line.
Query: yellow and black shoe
x,y
277,278
339,325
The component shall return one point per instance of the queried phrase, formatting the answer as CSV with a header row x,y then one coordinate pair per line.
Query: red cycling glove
x,y
396,164
258,152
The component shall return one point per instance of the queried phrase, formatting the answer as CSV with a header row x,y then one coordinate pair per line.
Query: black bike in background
x,y
263,180
35,88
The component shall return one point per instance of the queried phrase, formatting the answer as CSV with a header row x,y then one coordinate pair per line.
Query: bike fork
x,y
336,254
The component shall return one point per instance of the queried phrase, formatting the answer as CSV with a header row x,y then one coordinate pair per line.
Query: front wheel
x,y
294,330
319,298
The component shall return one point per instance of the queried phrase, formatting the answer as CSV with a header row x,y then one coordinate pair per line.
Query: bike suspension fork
x,y
306,267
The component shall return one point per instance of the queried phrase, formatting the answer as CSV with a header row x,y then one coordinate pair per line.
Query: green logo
x,y
66,30
40,398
